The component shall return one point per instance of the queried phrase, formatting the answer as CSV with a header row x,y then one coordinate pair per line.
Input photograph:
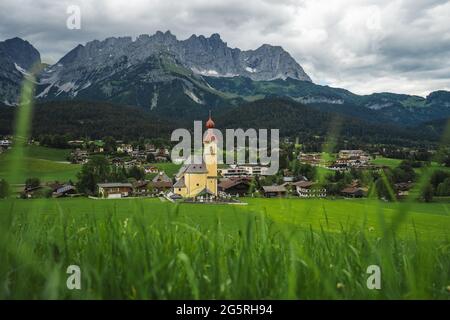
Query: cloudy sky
x,y
362,45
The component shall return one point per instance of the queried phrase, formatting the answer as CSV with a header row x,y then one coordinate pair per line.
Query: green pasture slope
x,y
47,164
392,163
169,168
389,162
268,249
45,153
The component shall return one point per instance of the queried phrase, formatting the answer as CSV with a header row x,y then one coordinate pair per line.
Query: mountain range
x,y
185,78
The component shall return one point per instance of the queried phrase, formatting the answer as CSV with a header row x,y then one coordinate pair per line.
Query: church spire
x,y
210,123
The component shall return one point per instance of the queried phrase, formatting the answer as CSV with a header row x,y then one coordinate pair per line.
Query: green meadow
x,y
268,249
47,164
392,163
46,153
169,168
389,162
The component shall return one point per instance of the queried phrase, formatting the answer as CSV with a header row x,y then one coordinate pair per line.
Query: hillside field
x,y
47,164
270,248
392,163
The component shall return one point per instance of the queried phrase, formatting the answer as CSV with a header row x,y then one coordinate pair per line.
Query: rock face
x,y
16,57
97,60
212,57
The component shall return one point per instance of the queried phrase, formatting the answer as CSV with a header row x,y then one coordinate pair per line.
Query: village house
x,y
5,144
161,183
117,161
149,147
247,170
338,167
348,154
309,189
402,189
313,159
134,153
114,190
233,171
150,169
75,143
97,146
131,163
289,185
254,170
31,192
163,152
124,148
79,156
235,186
352,158
140,188
274,191
352,192
64,191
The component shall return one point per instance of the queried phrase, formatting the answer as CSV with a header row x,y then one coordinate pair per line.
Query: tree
x,y
404,172
150,157
4,189
110,145
427,193
32,183
308,171
438,177
446,161
252,186
95,171
136,173
443,188
384,188
118,174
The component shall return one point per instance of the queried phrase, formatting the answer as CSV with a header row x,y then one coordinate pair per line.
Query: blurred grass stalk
x,y
22,126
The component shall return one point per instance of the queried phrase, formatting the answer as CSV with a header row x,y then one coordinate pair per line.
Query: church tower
x,y
210,156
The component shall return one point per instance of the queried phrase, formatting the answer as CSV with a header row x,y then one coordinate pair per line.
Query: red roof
x,y
210,123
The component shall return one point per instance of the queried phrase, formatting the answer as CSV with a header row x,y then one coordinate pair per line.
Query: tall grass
x,y
142,255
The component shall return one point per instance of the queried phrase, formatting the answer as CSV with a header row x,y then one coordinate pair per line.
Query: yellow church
x,y
200,179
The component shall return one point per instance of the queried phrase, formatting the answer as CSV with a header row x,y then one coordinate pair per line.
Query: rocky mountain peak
x,y
208,56
21,52
17,57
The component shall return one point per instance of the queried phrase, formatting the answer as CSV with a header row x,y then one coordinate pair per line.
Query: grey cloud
x,y
362,45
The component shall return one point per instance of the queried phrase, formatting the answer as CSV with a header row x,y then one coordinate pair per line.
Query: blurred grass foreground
x,y
270,249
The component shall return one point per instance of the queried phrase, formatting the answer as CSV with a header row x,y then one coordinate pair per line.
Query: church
x,y
199,180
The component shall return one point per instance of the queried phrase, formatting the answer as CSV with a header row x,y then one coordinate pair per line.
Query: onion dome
x,y
210,123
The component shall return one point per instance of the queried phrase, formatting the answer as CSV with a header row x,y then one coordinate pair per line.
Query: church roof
x,y
193,168
205,192
180,183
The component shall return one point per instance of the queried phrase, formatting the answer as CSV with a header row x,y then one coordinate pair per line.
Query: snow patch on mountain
x,y
10,104
21,70
192,95
213,73
67,87
154,102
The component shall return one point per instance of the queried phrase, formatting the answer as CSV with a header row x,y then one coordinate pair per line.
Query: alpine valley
x,y
182,79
